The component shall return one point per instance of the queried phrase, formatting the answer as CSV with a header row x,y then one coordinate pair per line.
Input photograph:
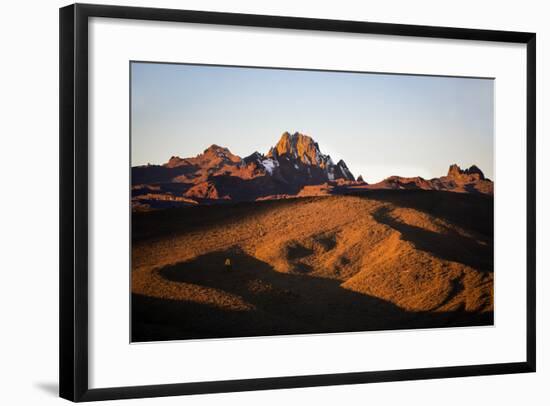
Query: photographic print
x,y
268,201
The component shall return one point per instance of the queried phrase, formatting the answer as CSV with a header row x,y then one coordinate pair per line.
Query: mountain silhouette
x,y
293,167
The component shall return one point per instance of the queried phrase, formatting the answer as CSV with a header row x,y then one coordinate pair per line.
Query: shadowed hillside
x,y
376,260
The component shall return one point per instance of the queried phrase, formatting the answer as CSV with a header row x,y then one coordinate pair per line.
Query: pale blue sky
x,y
381,125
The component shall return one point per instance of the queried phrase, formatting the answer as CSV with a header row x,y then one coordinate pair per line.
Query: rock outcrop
x,y
293,162
293,167
473,173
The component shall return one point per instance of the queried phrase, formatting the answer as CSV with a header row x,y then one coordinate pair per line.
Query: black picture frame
x,y
73,332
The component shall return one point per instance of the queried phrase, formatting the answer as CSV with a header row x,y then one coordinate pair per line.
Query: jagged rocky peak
x,y
175,161
456,172
216,149
254,157
341,164
341,171
298,146
360,179
302,150
216,152
472,170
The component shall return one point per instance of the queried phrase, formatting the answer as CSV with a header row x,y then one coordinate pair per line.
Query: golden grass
x,y
315,254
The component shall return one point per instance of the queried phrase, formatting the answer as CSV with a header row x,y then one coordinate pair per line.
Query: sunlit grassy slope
x,y
382,260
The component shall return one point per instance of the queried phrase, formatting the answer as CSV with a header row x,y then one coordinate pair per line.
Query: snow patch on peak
x,y
270,165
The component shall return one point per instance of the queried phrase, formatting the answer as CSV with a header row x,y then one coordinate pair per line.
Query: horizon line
x,y
148,164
